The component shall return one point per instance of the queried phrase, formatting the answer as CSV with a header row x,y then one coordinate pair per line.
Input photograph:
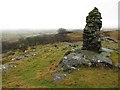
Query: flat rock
x,y
107,50
86,58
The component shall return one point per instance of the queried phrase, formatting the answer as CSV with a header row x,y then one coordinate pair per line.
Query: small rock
x,y
117,65
46,50
58,77
5,67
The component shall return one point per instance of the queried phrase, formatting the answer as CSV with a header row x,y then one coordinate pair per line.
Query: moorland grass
x,y
37,71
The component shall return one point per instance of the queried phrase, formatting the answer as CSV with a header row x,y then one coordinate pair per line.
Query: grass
x,y
114,55
76,36
113,34
92,78
112,44
37,71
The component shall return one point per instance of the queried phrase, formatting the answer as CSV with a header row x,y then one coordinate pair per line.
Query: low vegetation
x,y
37,71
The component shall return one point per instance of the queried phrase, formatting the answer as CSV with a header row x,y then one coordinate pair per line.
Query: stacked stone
x,y
91,34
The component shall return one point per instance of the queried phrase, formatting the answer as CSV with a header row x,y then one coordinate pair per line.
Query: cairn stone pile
x,y
87,56
91,34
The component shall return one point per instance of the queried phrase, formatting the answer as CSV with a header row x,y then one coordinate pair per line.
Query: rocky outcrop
x,y
79,58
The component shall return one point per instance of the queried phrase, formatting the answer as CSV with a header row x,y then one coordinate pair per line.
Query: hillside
x,y
37,71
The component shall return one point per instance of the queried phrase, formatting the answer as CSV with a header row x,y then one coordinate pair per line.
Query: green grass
x,y
92,78
37,71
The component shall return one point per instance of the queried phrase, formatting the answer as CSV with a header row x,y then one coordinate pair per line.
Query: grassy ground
x,y
113,34
37,71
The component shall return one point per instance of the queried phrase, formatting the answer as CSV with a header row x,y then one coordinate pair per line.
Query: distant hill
x,y
13,36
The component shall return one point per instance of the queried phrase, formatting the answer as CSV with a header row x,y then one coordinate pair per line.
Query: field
x,y
37,71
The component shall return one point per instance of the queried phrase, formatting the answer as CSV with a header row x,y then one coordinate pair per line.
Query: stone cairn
x,y
91,34
87,56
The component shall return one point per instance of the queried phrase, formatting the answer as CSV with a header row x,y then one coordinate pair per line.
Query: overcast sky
x,y
54,14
